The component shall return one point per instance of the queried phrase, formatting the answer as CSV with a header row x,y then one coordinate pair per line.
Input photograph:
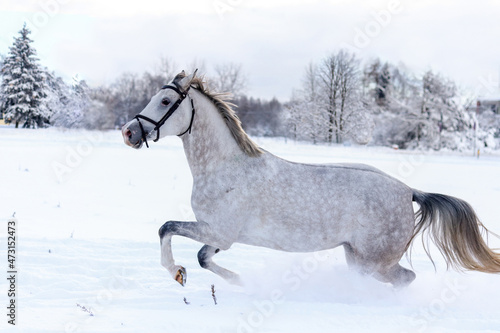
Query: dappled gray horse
x,y
244,194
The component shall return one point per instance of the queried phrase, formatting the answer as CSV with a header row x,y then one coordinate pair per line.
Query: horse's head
x,y
168,104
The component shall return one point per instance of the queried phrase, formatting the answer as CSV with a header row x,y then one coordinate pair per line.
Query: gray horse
x,y
244,194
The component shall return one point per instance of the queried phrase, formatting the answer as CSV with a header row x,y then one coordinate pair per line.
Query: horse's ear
x,y
185,82
179,77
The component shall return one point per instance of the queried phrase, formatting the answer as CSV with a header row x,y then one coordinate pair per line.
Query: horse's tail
x,y
456,230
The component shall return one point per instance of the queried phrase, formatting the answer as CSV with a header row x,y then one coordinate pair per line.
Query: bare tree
x,y
339,78
294,116
166,69
329,106
127,94
313,107
307,108
197,64
229,78
330,82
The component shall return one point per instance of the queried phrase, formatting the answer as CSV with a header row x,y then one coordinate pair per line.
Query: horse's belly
x,y
290,244
294,235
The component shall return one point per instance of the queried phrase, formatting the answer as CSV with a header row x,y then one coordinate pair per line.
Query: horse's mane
x,y
225,108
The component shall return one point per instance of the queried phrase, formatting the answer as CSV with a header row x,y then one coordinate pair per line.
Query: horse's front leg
x,y
198,231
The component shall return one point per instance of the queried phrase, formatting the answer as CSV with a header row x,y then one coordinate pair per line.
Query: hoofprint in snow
x,y
89,209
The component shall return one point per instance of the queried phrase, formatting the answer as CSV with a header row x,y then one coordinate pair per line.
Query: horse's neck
x,y
210,142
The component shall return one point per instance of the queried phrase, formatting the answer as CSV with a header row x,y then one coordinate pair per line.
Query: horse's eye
x,y
165,101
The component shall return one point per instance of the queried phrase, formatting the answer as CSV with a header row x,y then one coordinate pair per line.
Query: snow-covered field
x,y
88,209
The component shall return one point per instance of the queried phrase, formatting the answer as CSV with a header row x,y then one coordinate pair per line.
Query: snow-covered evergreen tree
x,y
23,86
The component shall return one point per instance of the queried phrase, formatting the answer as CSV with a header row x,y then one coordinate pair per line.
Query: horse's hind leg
x,y
205,259
397,275
380,269
350,256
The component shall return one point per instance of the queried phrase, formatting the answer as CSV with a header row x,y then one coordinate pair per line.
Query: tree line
x,y
32,96
341,99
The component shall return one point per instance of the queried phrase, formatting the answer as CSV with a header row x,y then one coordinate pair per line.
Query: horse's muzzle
x,y
132,136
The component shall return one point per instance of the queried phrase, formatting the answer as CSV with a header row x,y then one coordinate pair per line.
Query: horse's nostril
x,y
128,133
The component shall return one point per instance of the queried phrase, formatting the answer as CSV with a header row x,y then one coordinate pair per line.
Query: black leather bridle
x,y
182,95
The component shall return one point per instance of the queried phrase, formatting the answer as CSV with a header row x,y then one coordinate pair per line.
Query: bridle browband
x,y
182,95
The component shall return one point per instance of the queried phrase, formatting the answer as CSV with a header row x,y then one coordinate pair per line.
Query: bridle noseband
x,y
182,95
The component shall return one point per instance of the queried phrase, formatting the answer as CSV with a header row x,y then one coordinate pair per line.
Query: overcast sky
x,y
273,40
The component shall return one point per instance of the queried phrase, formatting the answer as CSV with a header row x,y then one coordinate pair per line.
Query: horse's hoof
x,y
181,276
236,281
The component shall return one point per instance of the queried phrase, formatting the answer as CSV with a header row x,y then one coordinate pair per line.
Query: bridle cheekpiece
x,y
182,95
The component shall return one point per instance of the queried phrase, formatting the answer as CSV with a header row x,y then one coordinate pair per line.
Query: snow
x,y
89,208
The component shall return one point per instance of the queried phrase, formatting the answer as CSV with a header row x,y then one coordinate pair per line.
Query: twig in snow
x,y
185,301
213,295
84,309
